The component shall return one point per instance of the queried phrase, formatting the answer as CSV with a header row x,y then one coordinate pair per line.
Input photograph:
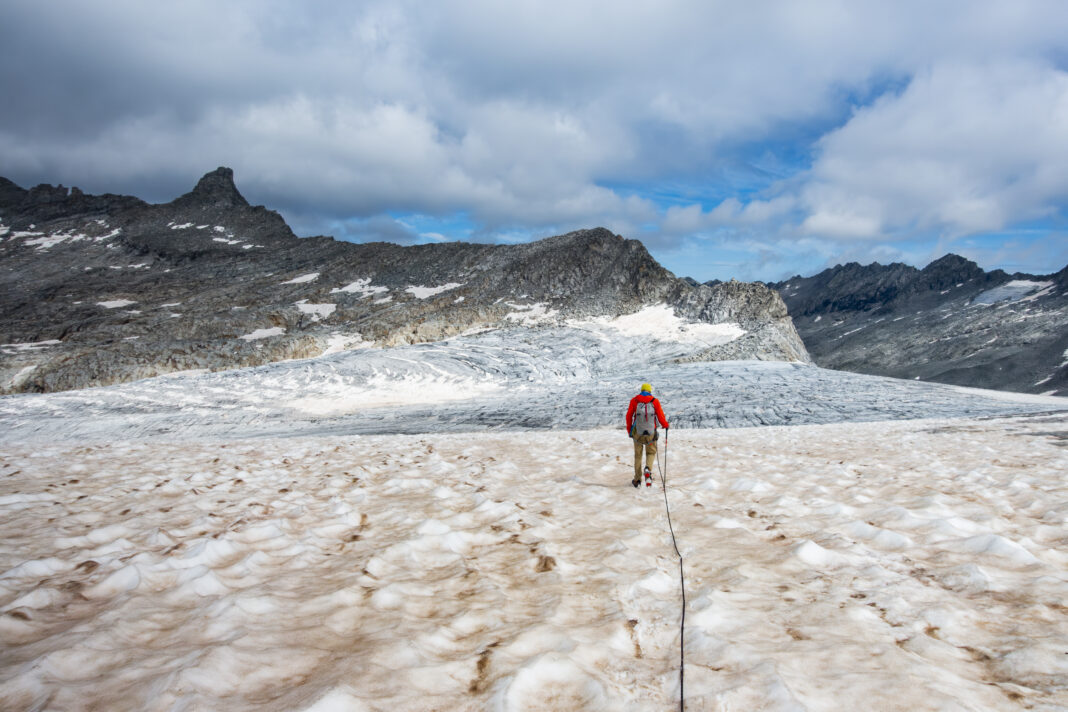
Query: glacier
x,y
576,375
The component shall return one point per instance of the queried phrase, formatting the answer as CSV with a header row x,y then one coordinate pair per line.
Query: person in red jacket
x,y
642,416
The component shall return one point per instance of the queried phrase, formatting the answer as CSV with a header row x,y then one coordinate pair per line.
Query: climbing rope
x,y
682,578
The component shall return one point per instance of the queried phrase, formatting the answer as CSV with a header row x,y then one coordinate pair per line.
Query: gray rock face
x,y
950,322
97,290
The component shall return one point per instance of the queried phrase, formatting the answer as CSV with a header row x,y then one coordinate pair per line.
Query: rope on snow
x,y
682,578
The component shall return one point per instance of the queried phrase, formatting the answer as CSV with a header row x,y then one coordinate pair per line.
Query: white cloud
x,y
527,116
964,148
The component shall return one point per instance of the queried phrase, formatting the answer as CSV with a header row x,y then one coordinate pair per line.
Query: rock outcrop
x,y
96,290
951,322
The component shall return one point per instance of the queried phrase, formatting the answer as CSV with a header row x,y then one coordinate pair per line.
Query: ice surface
x,y
908,565
1011,291
579,376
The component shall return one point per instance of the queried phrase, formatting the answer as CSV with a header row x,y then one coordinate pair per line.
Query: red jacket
x,y
645,399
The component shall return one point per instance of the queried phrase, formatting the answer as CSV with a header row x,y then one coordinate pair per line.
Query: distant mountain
x,y
96,290
950,322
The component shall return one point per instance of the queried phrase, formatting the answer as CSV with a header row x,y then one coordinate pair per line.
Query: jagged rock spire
x,y
215,189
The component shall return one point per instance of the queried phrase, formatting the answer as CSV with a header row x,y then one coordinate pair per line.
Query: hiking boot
x,y
636,481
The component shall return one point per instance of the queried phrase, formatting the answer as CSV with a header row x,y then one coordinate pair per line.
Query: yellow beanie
x,y
647,387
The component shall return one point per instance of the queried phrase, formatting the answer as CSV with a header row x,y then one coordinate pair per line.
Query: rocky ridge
x,y
97,290
950,322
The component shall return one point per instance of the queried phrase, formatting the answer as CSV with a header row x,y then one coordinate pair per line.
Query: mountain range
x,y
104,289
950,322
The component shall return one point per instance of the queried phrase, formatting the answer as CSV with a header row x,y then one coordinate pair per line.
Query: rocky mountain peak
x,y
948,271
110,289
10,193
950,322
216,189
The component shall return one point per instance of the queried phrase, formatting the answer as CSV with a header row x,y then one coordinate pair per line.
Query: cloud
x,y
880,120
963,149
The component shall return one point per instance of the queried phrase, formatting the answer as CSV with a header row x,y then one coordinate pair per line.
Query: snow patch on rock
x,y
363,287
1012,291
426,292
304,278
263,333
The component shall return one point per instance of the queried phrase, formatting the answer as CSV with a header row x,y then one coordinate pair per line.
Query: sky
x,y
735,140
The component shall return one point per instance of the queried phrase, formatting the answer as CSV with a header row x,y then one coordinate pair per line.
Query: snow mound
x,y
661,323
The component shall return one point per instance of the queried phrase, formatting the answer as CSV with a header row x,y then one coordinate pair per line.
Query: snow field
x,y
1015,290
914,565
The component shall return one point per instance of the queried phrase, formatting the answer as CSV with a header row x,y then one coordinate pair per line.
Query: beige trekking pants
x,y
649,444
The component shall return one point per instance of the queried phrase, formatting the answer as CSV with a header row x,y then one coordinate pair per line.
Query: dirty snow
x,y
915,565
338,342
530,314
20,376
270,539
317,311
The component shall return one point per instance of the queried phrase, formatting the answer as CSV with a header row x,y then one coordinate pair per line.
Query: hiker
x,y
642,416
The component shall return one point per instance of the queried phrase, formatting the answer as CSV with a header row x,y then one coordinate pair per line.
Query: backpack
x,y
644,419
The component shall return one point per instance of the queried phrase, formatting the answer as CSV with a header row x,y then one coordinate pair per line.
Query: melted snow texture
x,y
894,566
